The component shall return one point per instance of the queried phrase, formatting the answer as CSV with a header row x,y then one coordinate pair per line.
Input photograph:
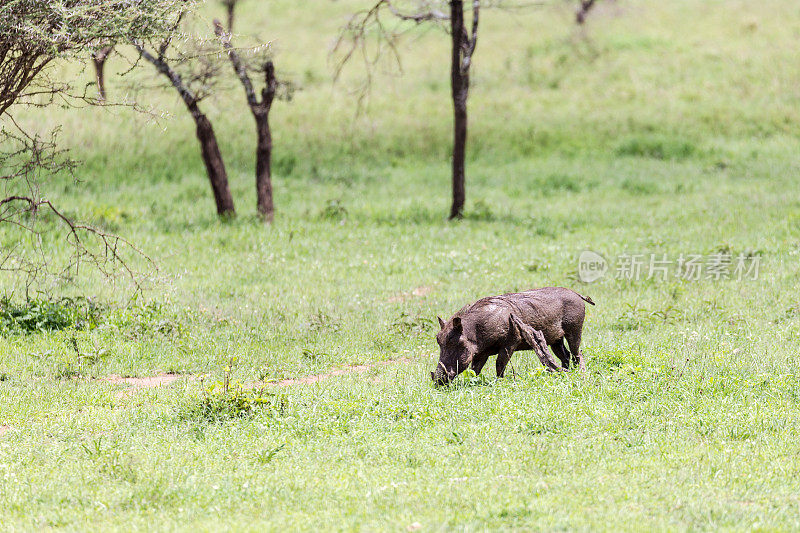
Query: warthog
x,y
501,325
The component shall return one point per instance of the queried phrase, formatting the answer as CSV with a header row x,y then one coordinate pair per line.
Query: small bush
x,y
320,322
226,399
108,217
284,164
558,183
480,211
144,320
333,210
638,186
631,320
656,148
40,315
406,324
110,460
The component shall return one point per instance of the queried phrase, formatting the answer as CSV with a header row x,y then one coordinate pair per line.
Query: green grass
x,y
669,129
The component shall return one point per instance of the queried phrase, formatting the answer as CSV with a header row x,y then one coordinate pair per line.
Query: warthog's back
x,y
552,310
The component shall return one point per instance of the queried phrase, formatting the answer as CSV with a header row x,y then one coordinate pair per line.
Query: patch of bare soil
x,y
4,430
419,292
355,369
147,382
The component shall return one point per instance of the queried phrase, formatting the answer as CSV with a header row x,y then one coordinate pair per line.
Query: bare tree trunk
x,y
459,155
99,58
264,147
263,167
231,7
463,47
215,167
459,81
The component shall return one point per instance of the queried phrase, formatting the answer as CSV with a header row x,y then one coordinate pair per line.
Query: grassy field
x,y
662,128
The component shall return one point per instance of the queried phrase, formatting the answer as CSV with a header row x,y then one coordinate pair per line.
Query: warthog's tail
x,y
586,299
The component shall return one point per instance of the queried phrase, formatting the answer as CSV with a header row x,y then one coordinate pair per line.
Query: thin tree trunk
x,y
459,157
264,146
215,167
99,58
264,166
459,81
231,8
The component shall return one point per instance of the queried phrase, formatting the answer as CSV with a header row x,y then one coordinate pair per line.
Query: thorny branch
x,y
238,66
192,67
189,98
258,63
425,13
33,35
23,207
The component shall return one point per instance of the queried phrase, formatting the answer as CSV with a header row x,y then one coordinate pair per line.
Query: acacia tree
x,y
463,44
464,40
35,34
260,110
462,49
200,70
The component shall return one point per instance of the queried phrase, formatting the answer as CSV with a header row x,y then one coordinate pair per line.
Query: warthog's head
x,y
455,351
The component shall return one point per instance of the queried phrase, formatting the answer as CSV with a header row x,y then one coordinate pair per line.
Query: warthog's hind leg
x,y
536,341
561,352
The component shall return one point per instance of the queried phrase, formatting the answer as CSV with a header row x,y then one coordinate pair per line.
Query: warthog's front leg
x,y
503,357
478,362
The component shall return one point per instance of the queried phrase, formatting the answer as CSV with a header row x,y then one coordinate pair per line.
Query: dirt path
x,y
147,382
355,369
165,379
136,384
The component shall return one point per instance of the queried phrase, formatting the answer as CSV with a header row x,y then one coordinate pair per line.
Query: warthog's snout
x,y
441,377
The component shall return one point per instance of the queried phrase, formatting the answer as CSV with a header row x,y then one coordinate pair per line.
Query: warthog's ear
x,y
441,322
457,323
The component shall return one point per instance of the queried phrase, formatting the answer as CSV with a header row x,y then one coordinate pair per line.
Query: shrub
x,y
333,210
227,399
38,315
656,147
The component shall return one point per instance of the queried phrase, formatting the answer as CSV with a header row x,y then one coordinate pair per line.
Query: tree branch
x,y
271,84
583,10
472,41
238,66
189,98
415,17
